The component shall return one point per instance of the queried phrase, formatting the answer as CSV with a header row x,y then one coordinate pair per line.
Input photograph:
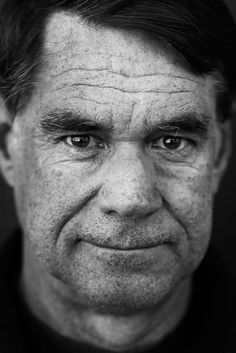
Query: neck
x,y
53,303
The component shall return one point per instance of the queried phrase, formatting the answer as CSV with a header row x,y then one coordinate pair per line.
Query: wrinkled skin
x,y
119,225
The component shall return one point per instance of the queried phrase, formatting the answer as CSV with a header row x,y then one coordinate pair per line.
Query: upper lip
x,y
126,246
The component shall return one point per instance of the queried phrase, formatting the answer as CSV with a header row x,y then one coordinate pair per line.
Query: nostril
x,y
151,213
129,210
111,213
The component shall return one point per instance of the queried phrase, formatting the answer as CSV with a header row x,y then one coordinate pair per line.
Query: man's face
x,y
114,166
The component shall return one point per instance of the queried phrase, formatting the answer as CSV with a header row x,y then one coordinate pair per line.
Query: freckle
x,y
58,173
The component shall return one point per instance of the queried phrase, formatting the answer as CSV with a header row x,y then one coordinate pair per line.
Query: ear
x,y
223,149
6,126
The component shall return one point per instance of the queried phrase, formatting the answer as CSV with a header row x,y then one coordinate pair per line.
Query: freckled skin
x,y
74,212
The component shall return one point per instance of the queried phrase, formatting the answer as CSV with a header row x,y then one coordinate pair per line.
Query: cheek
x,y
47,193
189,199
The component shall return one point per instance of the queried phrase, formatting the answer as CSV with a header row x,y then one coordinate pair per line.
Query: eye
x,y
79,141
171,143
84,141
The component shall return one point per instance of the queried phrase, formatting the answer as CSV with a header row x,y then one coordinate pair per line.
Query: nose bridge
x,y
132,173
130,186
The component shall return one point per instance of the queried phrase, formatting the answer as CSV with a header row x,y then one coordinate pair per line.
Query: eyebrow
x,y
64,121
59,121
191,122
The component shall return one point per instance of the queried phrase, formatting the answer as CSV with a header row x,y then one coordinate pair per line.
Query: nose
x,y
129,188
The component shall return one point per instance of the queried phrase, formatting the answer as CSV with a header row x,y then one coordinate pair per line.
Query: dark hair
x,y
201,31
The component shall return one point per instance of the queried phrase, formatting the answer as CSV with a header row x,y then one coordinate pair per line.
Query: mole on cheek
x,y
56,173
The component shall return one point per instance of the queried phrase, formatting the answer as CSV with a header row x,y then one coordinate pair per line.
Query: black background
x,y
224,234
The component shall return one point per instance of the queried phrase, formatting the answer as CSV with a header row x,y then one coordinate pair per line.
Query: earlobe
x,y
6,163
223,147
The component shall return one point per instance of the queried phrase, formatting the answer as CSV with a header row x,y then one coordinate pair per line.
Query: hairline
x,y
219,82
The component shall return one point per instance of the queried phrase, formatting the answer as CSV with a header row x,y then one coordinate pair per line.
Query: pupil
x,y
172,142
81,141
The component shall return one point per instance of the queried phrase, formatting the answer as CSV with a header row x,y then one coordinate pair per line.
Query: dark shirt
x,y
209,325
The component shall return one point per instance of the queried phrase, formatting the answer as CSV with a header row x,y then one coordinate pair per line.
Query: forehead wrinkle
x,y
122,74
71,78
161,91
100,76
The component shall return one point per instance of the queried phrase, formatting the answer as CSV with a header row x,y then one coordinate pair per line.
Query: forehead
x,y
71,38
107,70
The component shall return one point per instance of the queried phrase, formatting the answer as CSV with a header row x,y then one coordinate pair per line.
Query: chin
x,y
125,297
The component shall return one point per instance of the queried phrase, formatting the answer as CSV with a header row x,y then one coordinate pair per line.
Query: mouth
x,y
126,248
127,242
127,258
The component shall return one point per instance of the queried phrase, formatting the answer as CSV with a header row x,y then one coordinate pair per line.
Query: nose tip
x,y
133,203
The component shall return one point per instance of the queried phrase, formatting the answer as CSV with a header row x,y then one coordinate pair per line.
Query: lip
x,y
130,257
120,248
126,241
134,259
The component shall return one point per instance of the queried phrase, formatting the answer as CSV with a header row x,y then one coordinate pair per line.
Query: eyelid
x,y
76,134
177,134
173,131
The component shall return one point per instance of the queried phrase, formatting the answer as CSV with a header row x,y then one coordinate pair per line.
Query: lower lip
x,y
128,258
